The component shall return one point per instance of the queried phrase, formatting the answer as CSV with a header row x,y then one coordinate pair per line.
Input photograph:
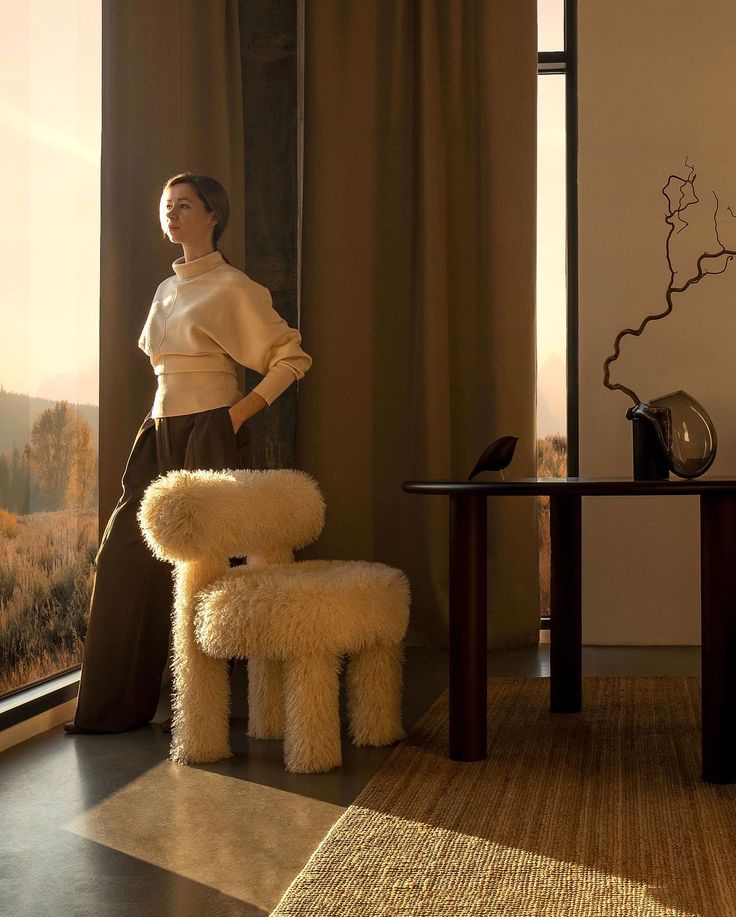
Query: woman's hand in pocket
x,y
245,408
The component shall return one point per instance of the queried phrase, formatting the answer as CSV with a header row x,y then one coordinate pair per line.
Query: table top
x,y
590,487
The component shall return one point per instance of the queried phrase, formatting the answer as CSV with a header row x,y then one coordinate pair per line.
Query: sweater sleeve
x,y
256,336
143,337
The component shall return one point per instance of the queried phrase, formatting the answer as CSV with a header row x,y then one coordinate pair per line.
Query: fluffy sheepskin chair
x,y
293,621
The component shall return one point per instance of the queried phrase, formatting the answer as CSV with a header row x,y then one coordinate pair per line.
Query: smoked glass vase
x,y
685,437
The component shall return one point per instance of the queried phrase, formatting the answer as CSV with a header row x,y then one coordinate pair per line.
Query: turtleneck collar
x,y
185,270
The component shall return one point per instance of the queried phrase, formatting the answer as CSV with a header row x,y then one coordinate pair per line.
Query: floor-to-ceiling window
x,y
551,267
50,119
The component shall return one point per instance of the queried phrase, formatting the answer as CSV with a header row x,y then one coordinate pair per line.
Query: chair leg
x,y
265,698
311,706
374,679
200,730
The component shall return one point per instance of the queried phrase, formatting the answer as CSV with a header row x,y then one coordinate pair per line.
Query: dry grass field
x,y
46,575
551,463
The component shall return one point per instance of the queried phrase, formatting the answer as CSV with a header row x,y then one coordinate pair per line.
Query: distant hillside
x,y
18,412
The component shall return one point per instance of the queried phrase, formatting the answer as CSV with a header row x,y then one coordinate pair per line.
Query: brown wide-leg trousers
x,y
127,642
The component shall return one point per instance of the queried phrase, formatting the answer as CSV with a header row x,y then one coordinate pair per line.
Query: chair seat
x,y
285,610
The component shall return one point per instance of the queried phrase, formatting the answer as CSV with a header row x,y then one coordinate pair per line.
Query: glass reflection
x,y
684,430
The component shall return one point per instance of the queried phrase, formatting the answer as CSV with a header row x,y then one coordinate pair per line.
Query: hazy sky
x,y
551,286
50,87
50,118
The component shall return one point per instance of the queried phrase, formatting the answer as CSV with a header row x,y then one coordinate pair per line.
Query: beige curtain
x,y
418,284
171,100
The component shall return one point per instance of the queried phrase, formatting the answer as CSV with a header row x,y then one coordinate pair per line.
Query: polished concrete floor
x,y
107,826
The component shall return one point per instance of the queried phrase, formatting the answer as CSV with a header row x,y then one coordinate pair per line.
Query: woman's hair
x,y
210,192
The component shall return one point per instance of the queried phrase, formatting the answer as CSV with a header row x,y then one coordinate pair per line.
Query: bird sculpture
x,y
496,457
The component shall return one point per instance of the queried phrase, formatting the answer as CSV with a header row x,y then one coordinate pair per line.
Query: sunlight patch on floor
x,y
401,860
244,839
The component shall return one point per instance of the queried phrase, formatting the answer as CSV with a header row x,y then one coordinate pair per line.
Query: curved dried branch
x,y
701,272
724,268
715,220
674,213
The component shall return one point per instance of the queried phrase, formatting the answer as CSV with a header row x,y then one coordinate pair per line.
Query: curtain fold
x,y
418,285
171,101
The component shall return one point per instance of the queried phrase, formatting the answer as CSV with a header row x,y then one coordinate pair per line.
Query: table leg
x,y
566,680
718,636
467,690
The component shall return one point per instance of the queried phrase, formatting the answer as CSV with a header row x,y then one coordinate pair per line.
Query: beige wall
x,y
657,82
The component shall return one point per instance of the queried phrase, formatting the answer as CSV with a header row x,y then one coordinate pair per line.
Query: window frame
x,y
26,701
565,62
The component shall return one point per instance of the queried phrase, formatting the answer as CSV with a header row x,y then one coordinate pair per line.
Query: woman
x,y
203,321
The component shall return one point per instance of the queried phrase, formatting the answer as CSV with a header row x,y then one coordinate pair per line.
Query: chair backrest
x,y
196,515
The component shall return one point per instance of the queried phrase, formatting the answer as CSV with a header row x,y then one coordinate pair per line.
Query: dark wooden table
x,y
468,592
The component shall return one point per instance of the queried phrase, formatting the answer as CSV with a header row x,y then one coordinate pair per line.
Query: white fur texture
x,y
266,515
265,698
374,695
293,621
200,730
308,615
285,610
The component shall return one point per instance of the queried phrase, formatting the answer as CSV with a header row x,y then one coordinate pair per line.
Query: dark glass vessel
x,y
684,433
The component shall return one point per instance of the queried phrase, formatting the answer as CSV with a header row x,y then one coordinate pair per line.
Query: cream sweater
x,y
205,320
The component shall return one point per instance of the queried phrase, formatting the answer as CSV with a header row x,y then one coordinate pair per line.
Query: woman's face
x,y
184,217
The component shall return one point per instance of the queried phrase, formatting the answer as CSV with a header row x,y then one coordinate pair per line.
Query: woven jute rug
x,y
601,813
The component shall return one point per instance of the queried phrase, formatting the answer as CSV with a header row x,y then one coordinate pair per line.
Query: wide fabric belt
x,y
199,363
